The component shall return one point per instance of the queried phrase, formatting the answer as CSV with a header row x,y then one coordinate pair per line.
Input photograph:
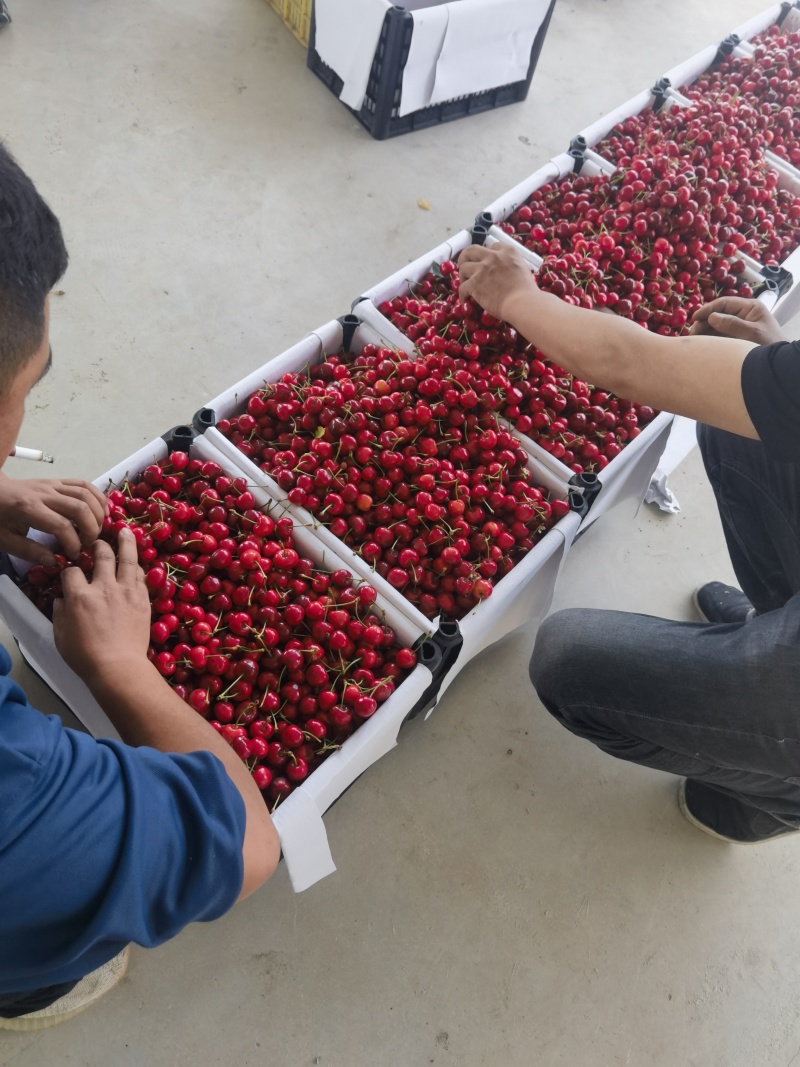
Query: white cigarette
x,y
30,453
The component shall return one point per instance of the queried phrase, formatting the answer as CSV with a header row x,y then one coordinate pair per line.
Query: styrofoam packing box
x,y
522,597
298,819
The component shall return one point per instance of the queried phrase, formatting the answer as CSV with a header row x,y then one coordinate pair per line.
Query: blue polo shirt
x,y
102,844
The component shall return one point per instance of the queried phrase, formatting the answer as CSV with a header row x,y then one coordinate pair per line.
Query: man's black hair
x,y
32,259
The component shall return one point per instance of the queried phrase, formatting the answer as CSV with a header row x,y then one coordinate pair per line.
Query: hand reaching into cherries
x,y
733,316
495,278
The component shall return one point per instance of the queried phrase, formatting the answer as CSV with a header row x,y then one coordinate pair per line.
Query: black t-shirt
x,y
771,387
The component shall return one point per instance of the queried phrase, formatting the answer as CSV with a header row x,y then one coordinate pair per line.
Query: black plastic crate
x,y
379,112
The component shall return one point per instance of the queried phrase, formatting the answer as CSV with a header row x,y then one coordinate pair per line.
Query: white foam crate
x,y
522,597
298,819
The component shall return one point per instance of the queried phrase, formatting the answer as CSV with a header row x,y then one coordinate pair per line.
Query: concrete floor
x,y
506,895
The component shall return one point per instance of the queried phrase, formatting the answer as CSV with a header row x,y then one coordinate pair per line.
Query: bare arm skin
x,y
698,376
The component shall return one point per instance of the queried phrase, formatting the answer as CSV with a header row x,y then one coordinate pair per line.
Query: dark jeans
x,y
717,703
12,1005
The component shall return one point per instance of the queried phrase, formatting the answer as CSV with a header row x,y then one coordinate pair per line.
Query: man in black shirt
x,y
714,702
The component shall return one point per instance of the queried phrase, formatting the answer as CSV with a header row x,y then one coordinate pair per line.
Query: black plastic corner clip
x,y
577,152
659,92
179,438
349,324
777,280
786,7
203,420
726,47
584,489
479,234
438,653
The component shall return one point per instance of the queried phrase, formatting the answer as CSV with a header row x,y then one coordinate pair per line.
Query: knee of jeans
x,y
557,646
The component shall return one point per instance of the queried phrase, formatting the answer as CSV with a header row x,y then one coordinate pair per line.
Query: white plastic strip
x,y
599,129
552,170
386,330
310,350
402,280
676,99
304,840
789,176
501,237
744,51
690,70
298,819
758,23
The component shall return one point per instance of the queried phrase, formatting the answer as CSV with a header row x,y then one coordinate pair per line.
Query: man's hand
x,y
495,278
71,510
103,626
734,316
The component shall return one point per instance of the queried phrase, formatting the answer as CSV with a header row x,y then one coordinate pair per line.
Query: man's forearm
x,y
600,348
699,377
145,711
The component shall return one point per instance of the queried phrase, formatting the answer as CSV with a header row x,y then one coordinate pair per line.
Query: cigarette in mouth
x,y
31,453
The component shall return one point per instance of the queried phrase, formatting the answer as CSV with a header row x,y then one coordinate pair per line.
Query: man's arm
x,y
698,376
737,316
102,630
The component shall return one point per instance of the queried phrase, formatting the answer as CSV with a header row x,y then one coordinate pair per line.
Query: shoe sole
x,y
697,608
713,833
39,1021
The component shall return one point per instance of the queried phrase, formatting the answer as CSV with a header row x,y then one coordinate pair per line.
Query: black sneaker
x,y
717,602
727,819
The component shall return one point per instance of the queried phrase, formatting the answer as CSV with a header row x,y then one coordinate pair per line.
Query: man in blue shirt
x,y
102,843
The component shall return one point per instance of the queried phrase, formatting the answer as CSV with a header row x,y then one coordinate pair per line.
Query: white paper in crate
x,y
347,37
478,44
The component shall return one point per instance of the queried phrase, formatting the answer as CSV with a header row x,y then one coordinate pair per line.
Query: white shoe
x,y
86,993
